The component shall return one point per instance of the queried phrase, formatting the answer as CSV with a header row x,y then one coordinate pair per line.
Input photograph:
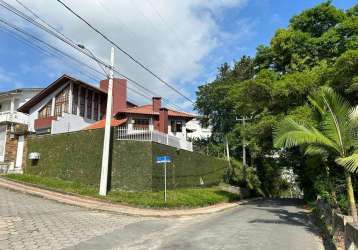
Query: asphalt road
x,y
28,222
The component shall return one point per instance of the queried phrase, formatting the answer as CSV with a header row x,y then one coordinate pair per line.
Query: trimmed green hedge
x,y
77,157
189,169
132,165
74,156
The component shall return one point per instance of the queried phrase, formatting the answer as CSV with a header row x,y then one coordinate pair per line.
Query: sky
x,y
182,41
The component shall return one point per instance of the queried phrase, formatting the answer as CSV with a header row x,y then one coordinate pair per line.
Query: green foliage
x,y
180,198
318,48
345,77
77,157
245,177
353,12
336,132
318,20
321,187
55,184
188,169
212,146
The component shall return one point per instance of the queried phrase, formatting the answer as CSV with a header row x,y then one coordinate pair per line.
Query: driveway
x,y
28,222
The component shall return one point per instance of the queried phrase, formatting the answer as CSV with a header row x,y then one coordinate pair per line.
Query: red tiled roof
x,y
102,124
148,110
53,86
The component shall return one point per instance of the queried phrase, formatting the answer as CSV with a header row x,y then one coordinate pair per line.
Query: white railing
x,y
140,134
14,117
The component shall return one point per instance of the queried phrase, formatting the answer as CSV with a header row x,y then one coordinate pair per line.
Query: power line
x,y
70,43
124,51
20,35
169,27
14,27
43,20
127,28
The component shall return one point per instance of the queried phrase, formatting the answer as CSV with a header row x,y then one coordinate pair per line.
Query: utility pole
x,y
107,131
244,119
165,182
243,144
227,149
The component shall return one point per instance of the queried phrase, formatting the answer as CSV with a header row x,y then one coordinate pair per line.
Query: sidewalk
x,y
92,203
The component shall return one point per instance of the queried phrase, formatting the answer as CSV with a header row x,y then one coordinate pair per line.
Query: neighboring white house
x,y
66,105
196,131
13,125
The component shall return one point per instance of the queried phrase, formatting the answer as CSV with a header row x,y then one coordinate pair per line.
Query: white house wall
x,y
19,99
34,111
199,131
69,123
26,96
5,105
181,135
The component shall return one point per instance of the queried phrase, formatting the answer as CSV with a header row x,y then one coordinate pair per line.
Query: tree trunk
x,y
351,199
333,194
332,189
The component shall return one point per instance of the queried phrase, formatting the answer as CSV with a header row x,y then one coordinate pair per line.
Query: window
x,y
95,109
89,104
75,99
62,101
176,126
141,123
82,102
46,110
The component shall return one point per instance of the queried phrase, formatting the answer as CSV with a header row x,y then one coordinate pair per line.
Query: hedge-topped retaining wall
x,y
78,156
73,156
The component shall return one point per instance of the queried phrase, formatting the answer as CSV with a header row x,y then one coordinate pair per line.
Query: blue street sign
x,y
164,159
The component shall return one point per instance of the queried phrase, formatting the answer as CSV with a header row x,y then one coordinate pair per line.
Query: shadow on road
x,y
284,216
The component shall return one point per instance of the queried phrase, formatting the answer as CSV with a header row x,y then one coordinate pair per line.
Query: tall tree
x,y
337,133
318,48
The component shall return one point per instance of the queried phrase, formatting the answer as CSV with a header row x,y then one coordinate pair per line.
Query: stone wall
x,y
10,149
341,228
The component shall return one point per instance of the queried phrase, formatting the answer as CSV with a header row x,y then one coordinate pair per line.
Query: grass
x,y
179,198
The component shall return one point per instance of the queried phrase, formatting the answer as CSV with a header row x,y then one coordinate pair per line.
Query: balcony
x,y
125,134
44,123
14,117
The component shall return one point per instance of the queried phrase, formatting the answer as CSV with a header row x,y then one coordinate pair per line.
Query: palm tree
x,y
337,134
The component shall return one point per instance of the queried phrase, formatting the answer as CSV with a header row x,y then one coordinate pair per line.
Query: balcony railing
x,y
125,134
14,117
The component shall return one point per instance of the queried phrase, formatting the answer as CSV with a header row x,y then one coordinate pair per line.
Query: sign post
x,y
165,182
165,160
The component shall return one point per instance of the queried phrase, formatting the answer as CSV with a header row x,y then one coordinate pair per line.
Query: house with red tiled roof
x,y
69,105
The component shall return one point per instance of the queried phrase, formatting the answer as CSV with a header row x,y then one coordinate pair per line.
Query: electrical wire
x,y
22,38
70,43
18,36
124,51
169,27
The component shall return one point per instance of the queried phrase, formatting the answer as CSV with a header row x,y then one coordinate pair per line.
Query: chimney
x,y
163,120
157,104
119,94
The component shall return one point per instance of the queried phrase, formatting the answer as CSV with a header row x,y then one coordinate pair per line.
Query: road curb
x,y
96,204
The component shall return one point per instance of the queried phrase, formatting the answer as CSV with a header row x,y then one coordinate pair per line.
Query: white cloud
x,y
172,45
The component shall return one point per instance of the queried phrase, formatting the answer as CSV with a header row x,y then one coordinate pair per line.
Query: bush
x,y
248,180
